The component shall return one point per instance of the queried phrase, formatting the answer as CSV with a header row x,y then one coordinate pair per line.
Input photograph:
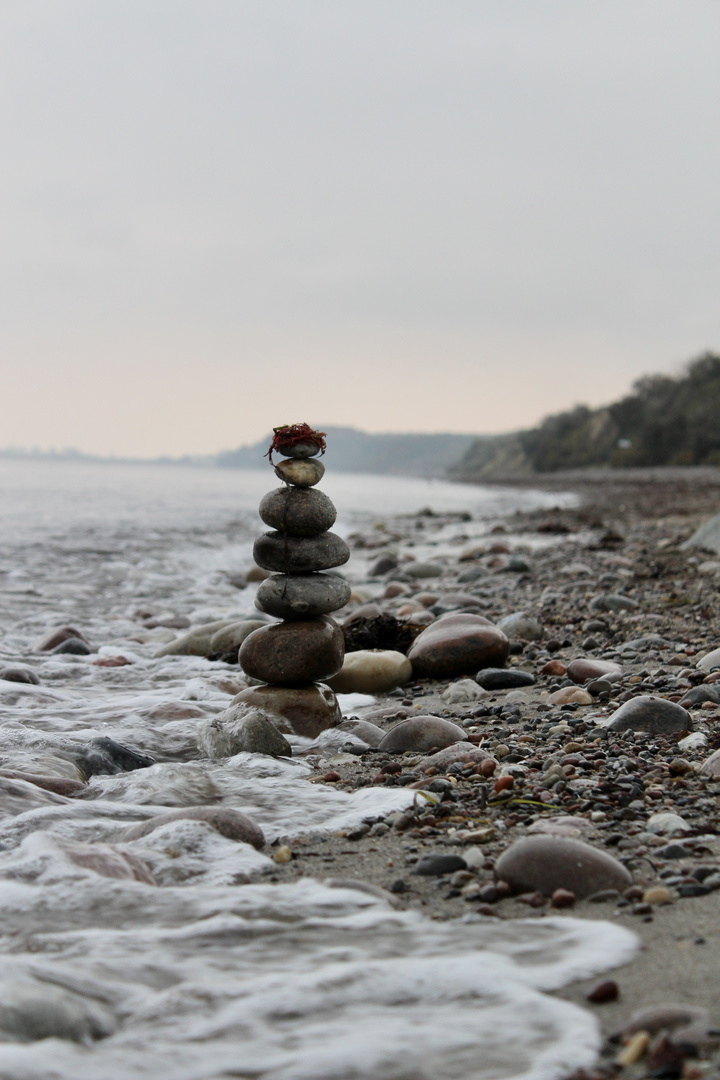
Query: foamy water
x,y
204,976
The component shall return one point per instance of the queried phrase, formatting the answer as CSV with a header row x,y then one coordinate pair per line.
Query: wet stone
x,y
299,473
287,653
242,728
224,643
301,450
105,756
229,823
297,511
295,710
56,637
302,595
458,645
19,674
73,646
300,555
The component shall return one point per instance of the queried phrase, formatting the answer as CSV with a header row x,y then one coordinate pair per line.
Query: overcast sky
x,y
222,215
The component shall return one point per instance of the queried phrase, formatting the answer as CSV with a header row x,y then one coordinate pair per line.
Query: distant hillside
x,y
350,450
665,421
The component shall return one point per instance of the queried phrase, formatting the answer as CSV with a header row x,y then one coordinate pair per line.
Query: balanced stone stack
x,y
293,656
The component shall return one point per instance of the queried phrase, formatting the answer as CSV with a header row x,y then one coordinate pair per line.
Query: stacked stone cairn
x,y
292,657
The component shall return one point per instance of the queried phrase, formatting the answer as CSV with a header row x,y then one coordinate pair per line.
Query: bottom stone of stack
x,y
295,710
292,653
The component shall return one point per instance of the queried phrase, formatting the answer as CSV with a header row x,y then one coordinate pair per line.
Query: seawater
x,y
204,976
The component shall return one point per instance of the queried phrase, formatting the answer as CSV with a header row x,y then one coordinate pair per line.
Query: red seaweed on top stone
x,y
291,434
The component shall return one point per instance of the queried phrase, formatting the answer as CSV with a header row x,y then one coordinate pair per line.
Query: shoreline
x,y
629,527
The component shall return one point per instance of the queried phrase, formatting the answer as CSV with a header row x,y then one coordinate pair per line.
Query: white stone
x,y
667,824
462,691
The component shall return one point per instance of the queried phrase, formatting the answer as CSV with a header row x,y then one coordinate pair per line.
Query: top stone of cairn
x,y
297,441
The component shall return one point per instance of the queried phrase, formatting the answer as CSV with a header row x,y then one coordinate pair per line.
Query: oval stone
x,y
302,595
297,511
586,667
295,710
709,662
547,863
371,671
656,715
287,653
458,645
504,678
422,733
301,450
300,554
230,823
302,474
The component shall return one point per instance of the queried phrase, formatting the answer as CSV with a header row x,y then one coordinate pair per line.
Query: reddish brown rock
x,y
548,863
296,710
55,637
422,733
585,668
59,785
107,861
289,653
230,823
458,645
553,667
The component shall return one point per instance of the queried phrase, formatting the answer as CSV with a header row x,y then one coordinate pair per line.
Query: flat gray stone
x,y
656,715
293,596
297,511
300,555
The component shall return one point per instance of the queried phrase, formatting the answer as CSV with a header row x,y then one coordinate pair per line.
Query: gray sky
x,y
221,215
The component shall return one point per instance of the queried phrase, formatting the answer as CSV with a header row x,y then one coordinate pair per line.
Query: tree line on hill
x,y
664,421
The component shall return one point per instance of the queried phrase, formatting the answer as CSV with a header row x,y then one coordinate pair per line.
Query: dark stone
x,y
383,565
458,645
289,653
696,696
503,678
19,674
297,511
230,823
74,646
299,555
437,865
299,451
656,715
674,850
59,785
55,637
381,631
296,710
301,596
105,756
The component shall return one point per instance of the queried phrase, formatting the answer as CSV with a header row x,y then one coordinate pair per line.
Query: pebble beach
x,y
526,766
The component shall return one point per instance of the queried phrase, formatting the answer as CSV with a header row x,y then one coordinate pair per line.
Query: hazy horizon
x,y
401,217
